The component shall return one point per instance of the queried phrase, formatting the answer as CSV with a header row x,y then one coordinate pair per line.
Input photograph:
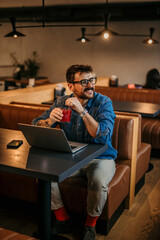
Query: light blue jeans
x,y
99,173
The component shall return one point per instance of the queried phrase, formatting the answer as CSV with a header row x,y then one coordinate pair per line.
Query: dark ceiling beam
x,y
128,11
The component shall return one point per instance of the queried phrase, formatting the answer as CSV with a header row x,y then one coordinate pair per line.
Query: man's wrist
x,y
83,113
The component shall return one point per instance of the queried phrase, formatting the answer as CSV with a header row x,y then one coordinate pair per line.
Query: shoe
x,y
62,227
89,233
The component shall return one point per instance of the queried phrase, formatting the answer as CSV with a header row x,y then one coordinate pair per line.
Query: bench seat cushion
x,y
74,192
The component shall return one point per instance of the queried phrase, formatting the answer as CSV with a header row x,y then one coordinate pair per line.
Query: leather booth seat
x,y
74,190
130,95
143,149
150,126
26,188
11,115
74,193
151,131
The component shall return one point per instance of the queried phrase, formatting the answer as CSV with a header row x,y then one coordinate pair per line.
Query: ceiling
x,y
80,13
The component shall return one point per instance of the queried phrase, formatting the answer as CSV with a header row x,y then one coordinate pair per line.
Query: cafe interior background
x,y
126,57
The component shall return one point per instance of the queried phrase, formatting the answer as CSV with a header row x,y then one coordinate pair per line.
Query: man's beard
x,y
83,95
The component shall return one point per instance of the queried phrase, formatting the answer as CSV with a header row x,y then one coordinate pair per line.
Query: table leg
x,y
44,212
44,209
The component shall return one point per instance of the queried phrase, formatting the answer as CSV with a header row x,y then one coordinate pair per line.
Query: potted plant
x,y
28,69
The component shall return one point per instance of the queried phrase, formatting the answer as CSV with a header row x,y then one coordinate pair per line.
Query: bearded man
x,y
92,121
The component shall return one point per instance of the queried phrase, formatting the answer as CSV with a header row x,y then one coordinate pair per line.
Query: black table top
x,y
40,163
145,109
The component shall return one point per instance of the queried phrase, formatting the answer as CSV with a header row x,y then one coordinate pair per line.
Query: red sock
x,y
61,214
91,221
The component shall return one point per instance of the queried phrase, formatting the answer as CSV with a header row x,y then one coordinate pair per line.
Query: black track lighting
x,y
150,40
14,33
83,39
106,32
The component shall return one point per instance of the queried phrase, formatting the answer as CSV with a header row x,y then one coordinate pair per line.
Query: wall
x,y
126,57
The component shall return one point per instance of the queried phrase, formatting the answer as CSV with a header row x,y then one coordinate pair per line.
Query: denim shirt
x,y
100,108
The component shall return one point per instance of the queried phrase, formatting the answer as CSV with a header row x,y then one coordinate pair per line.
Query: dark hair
x,y
153,79
72,70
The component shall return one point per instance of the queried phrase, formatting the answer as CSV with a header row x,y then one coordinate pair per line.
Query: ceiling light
x,y
14,33
83,39
106,32
150,40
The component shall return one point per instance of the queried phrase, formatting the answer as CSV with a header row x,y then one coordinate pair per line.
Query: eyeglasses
x,y
84,82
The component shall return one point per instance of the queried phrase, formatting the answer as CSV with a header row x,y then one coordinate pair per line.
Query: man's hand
x,y
88,120
75,104
56,115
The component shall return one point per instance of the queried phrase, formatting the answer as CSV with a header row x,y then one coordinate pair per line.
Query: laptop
x,y
49,138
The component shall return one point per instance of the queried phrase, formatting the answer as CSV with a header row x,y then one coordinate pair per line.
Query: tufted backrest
x,y
139,124
10,115
130,95
122,137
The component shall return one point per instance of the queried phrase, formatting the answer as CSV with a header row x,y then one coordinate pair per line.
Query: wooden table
x,y
32,95
35,94
145,109
45,165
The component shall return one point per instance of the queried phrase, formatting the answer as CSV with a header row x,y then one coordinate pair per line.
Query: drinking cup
x,y
66,115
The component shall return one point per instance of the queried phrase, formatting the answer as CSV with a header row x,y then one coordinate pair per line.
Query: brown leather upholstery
x,y
143,157
117,191
26,188
151,131
143,149
74,189
121,140
140,123
74,192
150,126
10,115
11,235
130,95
